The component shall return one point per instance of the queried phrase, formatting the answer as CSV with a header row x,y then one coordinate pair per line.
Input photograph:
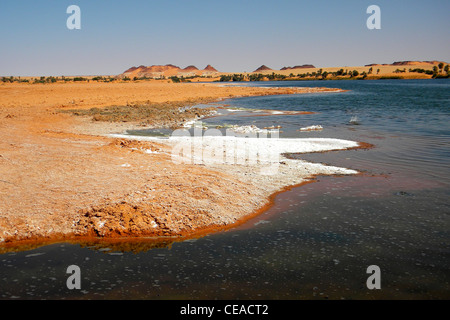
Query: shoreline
x,y
138,244
48,132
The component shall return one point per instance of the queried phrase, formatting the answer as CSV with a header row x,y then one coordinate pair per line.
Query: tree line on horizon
x,y
52,79
440,71
320,74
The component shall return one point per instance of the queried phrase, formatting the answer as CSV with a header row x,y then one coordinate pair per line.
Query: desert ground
x,y
63,177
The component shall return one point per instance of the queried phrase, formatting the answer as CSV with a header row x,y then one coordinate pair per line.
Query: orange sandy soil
x,y
60,179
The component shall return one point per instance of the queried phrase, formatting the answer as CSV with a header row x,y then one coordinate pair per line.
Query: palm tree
x,y
435,72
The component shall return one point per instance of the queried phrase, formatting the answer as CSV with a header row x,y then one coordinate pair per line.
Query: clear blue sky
x,y
233,36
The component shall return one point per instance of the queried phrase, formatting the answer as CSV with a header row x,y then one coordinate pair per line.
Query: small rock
x,y
403,193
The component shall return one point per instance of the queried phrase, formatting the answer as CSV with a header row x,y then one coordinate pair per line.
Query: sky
x,y
232,36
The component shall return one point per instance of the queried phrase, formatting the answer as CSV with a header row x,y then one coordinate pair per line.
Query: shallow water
x,y
317,241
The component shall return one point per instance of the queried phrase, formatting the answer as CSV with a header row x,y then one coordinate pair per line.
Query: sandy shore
x,y
64,176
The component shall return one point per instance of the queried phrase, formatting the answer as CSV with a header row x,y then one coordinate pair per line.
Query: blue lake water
x,y
317,241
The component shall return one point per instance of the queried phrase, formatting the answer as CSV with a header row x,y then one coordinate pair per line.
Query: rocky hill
x,y
304,66
210,68
262,68
406,63
266,68
168,70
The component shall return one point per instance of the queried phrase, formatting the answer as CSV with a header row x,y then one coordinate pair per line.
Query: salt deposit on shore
x,y
256,152
312,128
257,163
